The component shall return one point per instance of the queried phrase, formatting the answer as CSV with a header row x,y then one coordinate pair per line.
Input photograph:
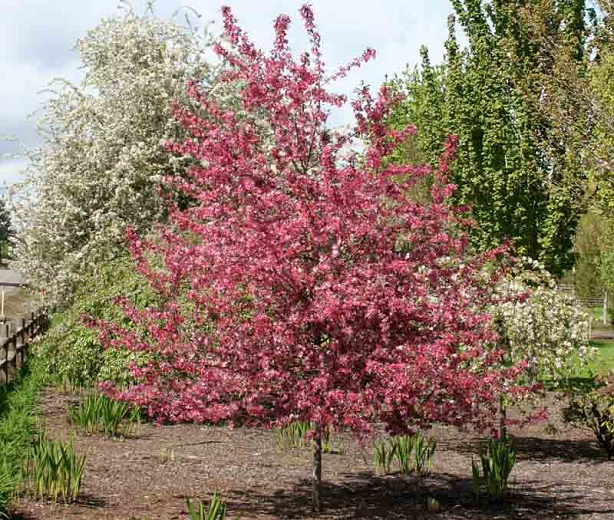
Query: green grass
x,y
604,362
596,314
18,402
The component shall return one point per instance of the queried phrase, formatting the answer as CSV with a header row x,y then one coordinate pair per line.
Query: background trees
x,y
101,161
521,176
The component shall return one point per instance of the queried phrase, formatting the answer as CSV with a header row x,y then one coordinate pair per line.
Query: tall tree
x,y
520,178
99,168
317,290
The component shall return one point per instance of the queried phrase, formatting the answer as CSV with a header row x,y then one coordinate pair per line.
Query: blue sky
x,y
37,38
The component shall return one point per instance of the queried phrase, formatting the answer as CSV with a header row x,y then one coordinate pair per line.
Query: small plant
x,y
384,455
592,405
413,453
403,447
423,453
496,465
296,435
216,510
99,414
53,470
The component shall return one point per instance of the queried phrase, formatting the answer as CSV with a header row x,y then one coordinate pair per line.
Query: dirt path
x,y
557,476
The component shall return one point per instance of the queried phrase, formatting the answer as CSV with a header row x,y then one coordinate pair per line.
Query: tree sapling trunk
x,y
316,482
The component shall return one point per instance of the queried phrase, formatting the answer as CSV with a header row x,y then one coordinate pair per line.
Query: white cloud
x,y
11,171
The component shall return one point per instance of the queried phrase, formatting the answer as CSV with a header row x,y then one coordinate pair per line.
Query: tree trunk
x,y
316,481
502,418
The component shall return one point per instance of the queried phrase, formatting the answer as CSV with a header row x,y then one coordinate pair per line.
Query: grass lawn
x,y
604,362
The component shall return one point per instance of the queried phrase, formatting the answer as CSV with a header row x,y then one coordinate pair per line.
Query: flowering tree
x,y
313,288
101,161
541,325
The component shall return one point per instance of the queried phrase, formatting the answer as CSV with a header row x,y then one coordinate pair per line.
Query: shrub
x,y
99,414
496,465
592,405
71,353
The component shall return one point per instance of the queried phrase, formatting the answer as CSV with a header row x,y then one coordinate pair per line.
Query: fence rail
x,y
15,338
600,302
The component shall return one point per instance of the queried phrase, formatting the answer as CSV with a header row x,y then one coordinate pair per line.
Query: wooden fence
x,y
15,337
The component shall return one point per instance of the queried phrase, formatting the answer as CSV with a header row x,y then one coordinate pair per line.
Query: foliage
x,y
295,259
521,176
423,450
70,352
101,161
385,451
7,487
413,452
320,292
17,428
53,470
216,510
297,435
541,326
99,414
496,464
592,405
588,249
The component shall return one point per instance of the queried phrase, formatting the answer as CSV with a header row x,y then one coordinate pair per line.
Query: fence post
x,y
11,351
604,312
25,338
4,354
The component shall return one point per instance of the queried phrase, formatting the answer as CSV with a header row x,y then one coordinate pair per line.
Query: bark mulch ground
x,y
558,475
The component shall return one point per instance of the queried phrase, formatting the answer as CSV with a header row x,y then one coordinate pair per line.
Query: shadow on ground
x,y
368,496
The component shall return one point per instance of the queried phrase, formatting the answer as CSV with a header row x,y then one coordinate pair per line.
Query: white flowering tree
x,y
541,325
101,161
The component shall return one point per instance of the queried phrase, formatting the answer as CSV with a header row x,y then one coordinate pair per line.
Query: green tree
x,y
520,178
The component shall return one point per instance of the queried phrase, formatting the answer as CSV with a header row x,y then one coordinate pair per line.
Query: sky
x,y
37,39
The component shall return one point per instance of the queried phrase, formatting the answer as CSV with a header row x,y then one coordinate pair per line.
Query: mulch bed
x,y
558,475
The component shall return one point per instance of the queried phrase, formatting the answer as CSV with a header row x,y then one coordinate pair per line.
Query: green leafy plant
x,y
423,453
296,435
53,470
403,447
591,405
17,429
385,451
215,511
99,414
413,453
496,464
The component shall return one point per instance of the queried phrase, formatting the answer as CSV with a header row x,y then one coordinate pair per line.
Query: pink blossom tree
x,y
312,287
